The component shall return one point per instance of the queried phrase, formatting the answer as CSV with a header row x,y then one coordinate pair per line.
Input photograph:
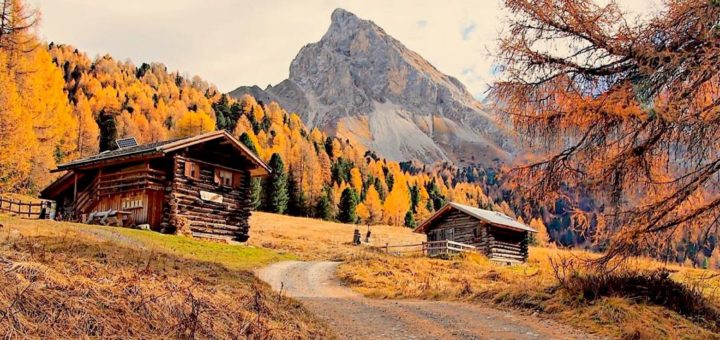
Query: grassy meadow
x,y
530,288
66,280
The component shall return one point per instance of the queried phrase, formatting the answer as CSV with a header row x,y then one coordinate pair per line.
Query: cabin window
x,y
224,177
441,235
476,232
132,203
448,234
192,170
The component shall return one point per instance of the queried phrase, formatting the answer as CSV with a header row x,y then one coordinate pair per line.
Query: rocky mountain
x,y
360,83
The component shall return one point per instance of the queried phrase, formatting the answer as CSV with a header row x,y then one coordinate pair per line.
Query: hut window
x,y
448,234
476,232
224,177
192,170
132,203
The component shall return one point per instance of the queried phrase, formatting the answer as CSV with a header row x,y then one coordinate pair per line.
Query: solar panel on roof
x,y
126,142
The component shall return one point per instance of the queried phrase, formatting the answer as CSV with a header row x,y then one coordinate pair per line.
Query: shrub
x,y
650,287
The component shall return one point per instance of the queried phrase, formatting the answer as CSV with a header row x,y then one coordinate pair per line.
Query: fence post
x,y
387,246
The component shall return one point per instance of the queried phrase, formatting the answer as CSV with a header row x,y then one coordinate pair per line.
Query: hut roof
x,y
163,147
495,218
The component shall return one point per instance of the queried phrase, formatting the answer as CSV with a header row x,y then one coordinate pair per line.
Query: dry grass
x,y
313,239
63,280
75,280
531,287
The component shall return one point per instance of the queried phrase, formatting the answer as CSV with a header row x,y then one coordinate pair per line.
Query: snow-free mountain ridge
x,y
360,83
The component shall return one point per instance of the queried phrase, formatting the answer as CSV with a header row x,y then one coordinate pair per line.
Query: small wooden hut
x,y
497,235
199,184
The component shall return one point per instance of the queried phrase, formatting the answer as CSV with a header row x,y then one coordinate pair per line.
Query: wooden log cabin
x,y
199,184
496,235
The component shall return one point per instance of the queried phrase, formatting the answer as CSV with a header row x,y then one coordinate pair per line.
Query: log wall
x,y
497,243
184,208
507,245
465,229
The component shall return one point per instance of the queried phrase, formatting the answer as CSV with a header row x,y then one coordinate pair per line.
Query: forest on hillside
x,y
58,104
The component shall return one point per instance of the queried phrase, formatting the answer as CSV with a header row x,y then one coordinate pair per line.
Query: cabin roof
x,y
495,218
164,147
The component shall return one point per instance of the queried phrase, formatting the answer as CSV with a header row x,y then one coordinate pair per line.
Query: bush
x,y
650,287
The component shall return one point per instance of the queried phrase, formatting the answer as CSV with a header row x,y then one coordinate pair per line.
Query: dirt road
x,y
355,317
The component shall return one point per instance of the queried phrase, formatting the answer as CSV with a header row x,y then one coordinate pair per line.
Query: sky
x,y
231,43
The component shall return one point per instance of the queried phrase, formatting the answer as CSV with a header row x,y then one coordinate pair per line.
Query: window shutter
x,y
236,179
188,169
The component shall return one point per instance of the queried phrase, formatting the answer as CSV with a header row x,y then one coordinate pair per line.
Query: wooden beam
x,y
213,164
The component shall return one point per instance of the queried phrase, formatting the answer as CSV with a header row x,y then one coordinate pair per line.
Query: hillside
x,y
360,83
117,99
68,280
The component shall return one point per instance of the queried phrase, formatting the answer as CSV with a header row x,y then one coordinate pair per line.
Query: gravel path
x,y
352,316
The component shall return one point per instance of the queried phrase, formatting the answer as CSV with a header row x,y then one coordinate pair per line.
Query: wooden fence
x,y
432,248
26,209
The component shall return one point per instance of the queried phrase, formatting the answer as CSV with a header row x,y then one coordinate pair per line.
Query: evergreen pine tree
x,y
276,191
378,186
297,201
409,220
389,180
414,198
324,208
245,139
108,132
348,203
256,197
328,146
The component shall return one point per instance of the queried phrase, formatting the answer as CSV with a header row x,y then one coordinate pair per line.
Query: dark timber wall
x,y
184,207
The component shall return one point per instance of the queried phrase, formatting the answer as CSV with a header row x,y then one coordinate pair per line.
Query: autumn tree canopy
x,y
627,109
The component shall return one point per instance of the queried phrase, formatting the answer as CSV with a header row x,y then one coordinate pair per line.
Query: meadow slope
x,y
76,280
65,280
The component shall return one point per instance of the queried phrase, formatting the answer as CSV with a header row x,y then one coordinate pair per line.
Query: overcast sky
x,y
237,42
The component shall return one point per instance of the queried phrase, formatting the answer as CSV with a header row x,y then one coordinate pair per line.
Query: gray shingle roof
x,y
488,216
492,217
169,146
130,151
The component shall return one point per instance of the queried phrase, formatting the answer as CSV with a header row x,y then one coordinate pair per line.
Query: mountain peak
x,y
360,83
344,23
340,15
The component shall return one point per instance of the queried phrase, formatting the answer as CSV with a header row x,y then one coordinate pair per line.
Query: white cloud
x,y
468,30
244,42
